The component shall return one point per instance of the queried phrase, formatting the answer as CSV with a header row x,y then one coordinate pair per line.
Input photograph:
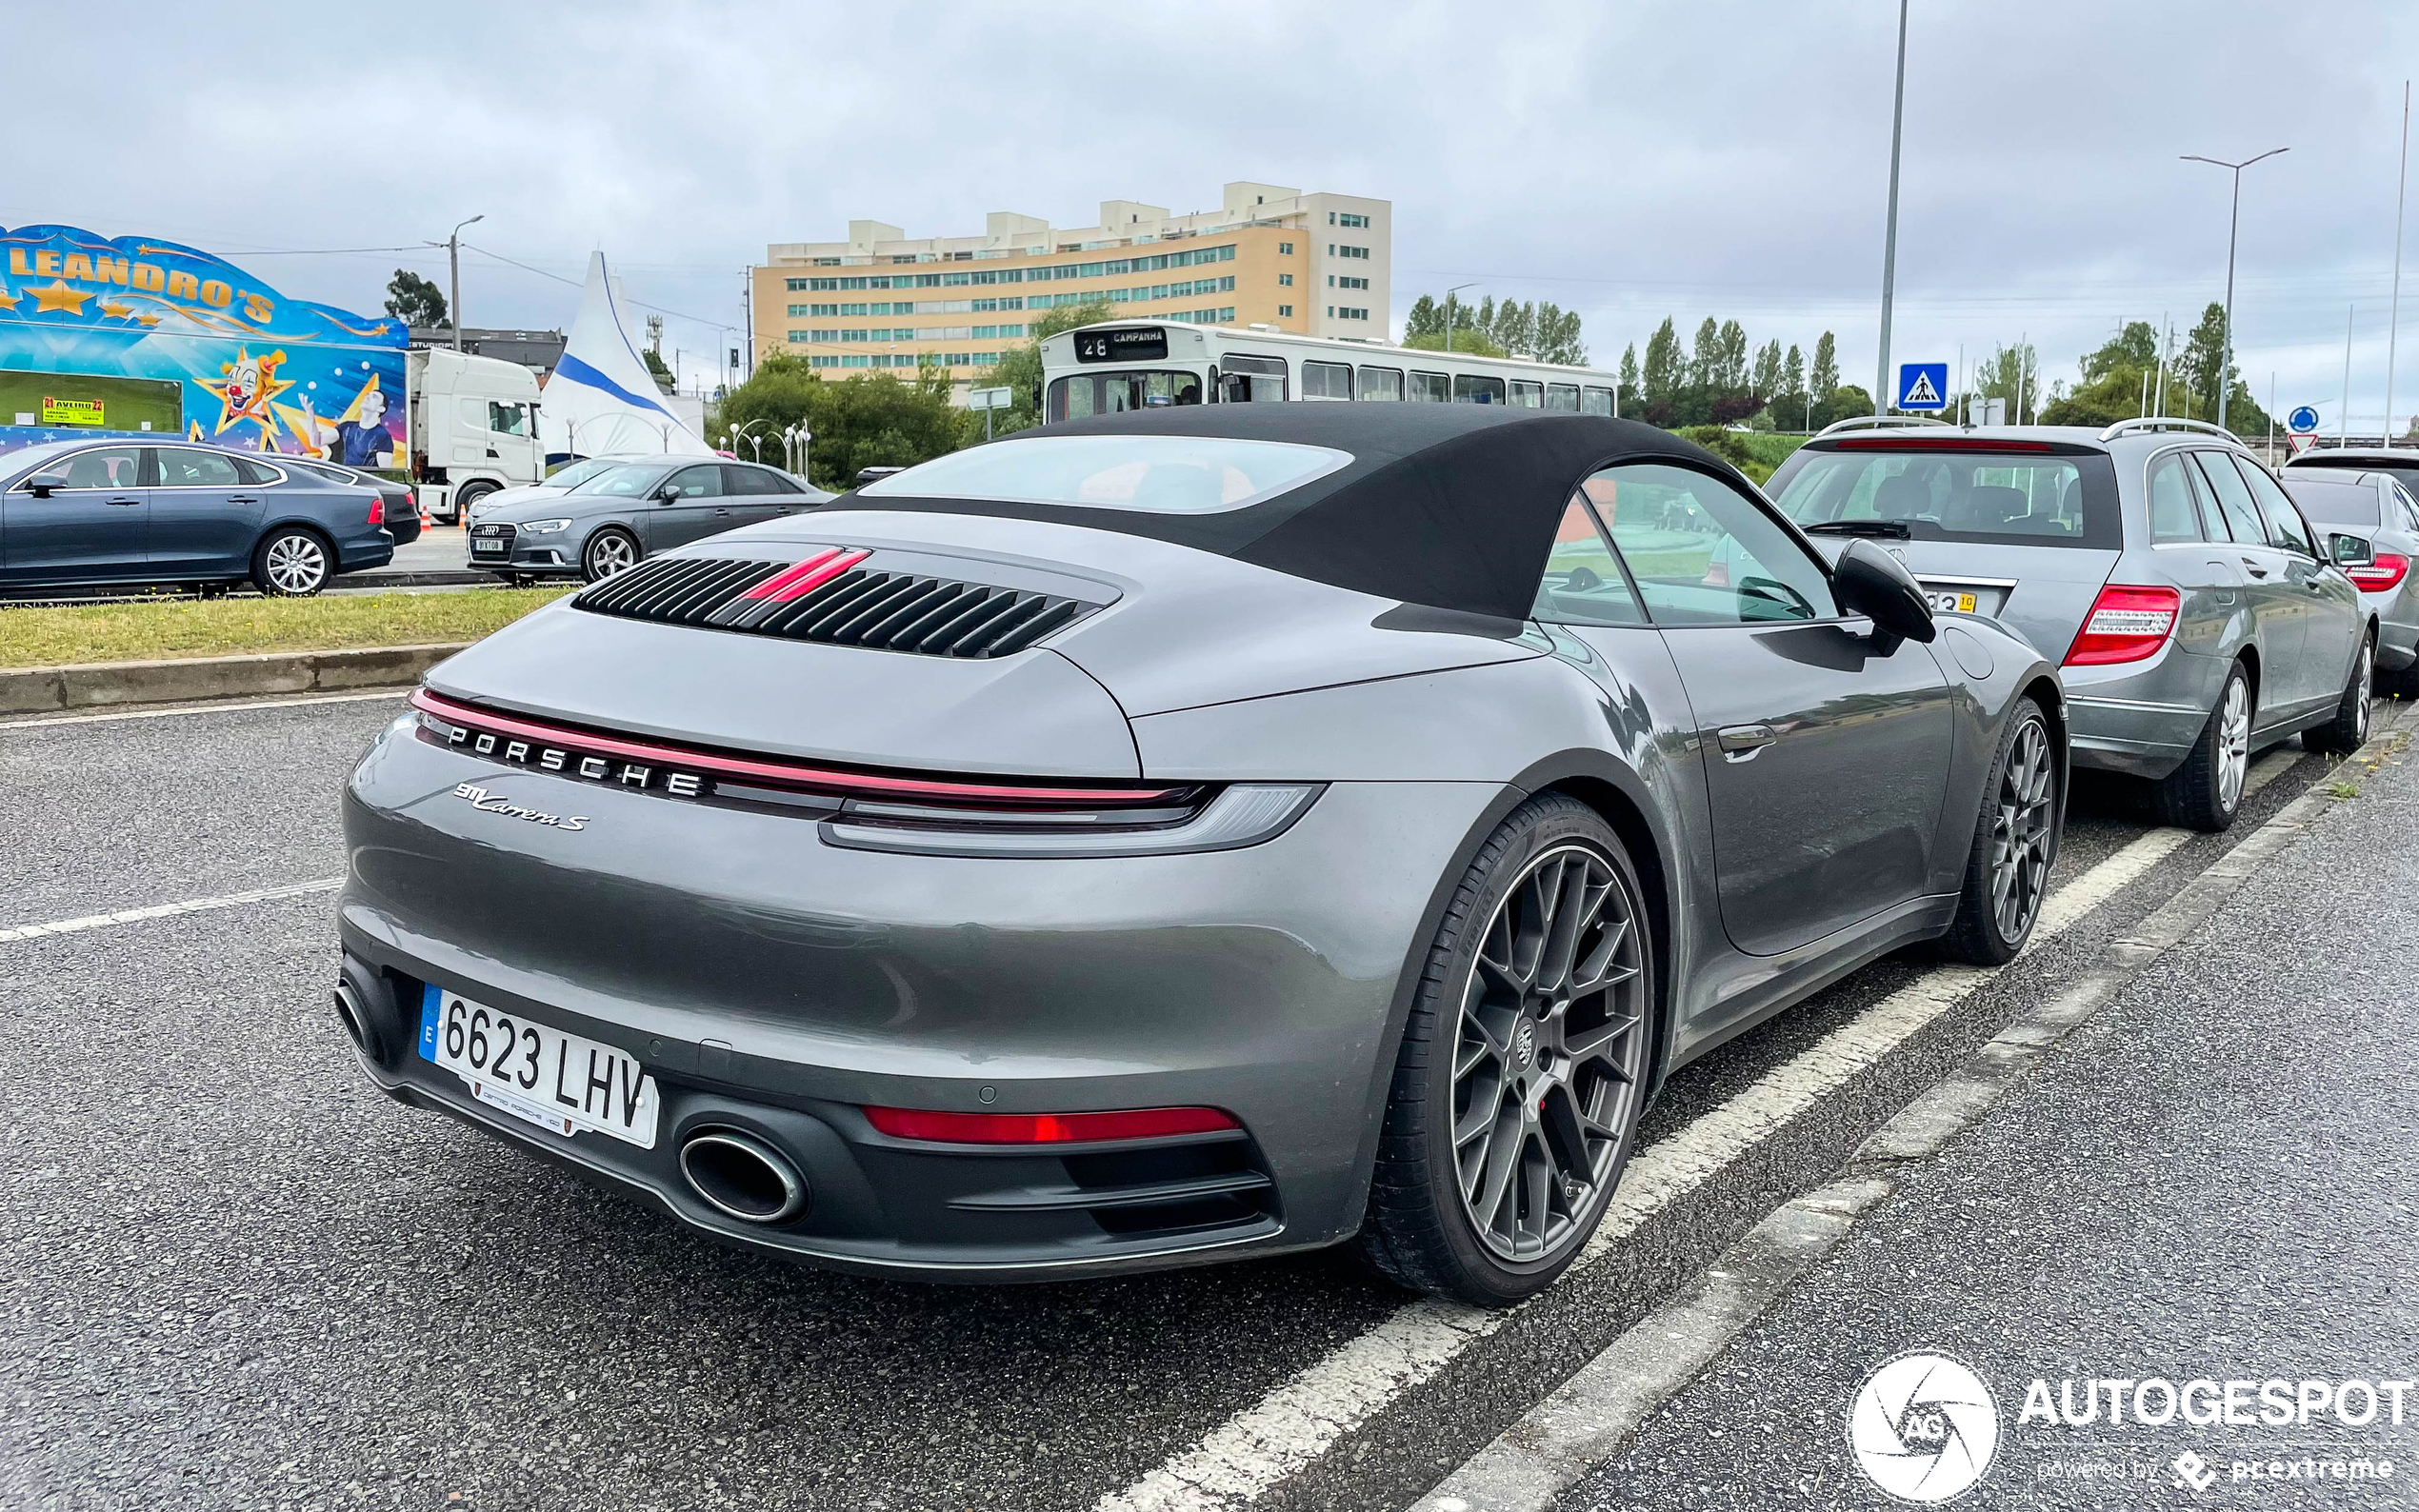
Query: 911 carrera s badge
x,y
488,802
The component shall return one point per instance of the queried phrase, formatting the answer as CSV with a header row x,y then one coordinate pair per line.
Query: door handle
x,y
1741,742
722,511
241,498
122,503
2253,568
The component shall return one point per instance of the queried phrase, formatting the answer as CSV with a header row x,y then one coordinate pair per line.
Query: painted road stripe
x,y
1289,1429
167,910
200,708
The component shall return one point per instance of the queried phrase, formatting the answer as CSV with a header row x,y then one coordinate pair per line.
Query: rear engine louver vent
x,y
831,600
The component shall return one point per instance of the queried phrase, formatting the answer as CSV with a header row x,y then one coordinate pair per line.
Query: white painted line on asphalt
x,y
167,910
201,708
1292,1425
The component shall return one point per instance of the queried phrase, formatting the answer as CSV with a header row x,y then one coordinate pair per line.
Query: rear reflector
x,y
2387,571
1047,1129
2125,624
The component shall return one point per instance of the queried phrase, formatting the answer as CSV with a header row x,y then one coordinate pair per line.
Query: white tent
x,y
601,399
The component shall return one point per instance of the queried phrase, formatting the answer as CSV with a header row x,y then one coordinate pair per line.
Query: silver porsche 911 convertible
x,y
1182,835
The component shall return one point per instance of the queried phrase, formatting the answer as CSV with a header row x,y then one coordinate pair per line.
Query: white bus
x,y
1117,366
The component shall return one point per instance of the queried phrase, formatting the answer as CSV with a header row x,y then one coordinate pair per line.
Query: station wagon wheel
x,y
1546,1061
610,551
2206,790
292,563
1523,1064
2233,744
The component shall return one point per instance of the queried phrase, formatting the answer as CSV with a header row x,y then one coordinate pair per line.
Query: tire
x,y
1495,1025
470,494
292,563
2347,730
2015,843
609,549
2206,791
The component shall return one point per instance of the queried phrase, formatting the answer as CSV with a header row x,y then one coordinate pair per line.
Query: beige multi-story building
x,y
1317,264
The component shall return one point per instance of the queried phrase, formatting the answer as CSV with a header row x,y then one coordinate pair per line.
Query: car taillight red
x,y
378,510
2125,624
1047,1129
2387,571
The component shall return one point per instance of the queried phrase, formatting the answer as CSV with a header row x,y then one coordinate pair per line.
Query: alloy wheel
x,y
2233,744
610,553
297,563
2363,679
2021,832
1550,1053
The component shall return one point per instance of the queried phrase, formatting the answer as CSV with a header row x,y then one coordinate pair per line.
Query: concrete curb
x,y
102,685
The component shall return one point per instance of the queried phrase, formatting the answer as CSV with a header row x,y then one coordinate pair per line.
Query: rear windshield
x,y
2009,498
1155,474
2333,502
2406,474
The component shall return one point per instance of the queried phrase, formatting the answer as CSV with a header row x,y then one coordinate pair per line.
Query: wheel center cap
x,y
1524,1045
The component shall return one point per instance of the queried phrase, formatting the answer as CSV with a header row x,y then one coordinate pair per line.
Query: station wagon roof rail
x,y
1877,422
2167,423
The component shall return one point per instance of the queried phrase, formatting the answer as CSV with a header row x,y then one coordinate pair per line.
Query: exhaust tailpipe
x,y
357,1021
741,1175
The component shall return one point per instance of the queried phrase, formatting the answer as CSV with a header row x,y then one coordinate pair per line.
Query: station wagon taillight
x,y
2387,571
2125,624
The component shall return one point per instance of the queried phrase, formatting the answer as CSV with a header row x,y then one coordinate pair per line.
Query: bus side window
x,y
1381,383
1562,396
1594,401
1326,380
1430,388
1253,380
1529,393
1472,389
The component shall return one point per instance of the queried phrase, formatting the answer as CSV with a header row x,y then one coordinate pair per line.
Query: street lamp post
x,y
1448,311
453,245
1883,393
2234,221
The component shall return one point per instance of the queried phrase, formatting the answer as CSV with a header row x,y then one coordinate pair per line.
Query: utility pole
x,y
2343,421
2234,221
747,309
1883,393
453,245
2402,180
1448,312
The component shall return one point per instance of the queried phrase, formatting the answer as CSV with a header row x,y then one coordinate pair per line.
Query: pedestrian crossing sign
x,y
1923,386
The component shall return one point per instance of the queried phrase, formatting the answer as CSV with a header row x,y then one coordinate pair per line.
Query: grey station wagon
x,y
2192,611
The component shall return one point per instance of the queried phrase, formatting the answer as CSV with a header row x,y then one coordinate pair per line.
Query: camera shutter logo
x,y
1923,1427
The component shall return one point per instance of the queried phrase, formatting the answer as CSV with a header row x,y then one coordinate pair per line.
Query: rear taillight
x,y
2125,624
2387,571
378,510
1047,1129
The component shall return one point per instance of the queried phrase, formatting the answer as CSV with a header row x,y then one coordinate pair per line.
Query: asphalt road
x,y
232,1275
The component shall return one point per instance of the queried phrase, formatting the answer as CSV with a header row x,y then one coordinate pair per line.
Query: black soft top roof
x,y
1452,505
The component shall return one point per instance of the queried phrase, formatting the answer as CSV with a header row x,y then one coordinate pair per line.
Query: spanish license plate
x,y
560,1081
1950,603
487,548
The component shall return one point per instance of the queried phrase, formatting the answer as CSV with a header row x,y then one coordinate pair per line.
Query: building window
x,y
1284,248
1286,310
797,285
1347,250
1348,313
1285,280
798,335
1350,219
1347,281
826,262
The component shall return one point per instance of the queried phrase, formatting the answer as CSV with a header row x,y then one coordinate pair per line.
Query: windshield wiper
x,y
1895,529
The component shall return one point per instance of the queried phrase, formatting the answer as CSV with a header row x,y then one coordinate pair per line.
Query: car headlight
x,y
545,527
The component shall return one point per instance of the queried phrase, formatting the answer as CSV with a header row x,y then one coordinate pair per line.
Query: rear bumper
x,y
2142,718
2397,644
778,984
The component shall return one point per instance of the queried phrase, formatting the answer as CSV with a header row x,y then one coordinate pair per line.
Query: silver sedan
x,y
2373,523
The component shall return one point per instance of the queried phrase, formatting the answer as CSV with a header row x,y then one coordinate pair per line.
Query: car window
x,y
2409,507
2176,514
180,469
2328,503
1702,553
739,480
111,467
2233,498
259,474
2286,527
698,482
1584,584
622,483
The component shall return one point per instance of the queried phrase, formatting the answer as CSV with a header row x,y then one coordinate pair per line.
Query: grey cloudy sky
x,y
1629,160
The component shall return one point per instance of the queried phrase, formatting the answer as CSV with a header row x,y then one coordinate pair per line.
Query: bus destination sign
x,y
1122,344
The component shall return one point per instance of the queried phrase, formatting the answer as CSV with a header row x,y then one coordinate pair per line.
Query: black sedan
x,y
402,506
111,512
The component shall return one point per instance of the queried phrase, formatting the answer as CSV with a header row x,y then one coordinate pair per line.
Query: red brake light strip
x,y
794,774
1936,444
1047,1129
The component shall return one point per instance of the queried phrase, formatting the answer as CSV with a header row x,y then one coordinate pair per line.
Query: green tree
x,y
1558,338
2198,368
1846,400
1465,340
413,300
1019,369
1629,374
2013,374
2134,347
1705,355
876,420
655,368
1515,327
1824,377
1793,372
1426,319
1665,375
1733,376
1766,379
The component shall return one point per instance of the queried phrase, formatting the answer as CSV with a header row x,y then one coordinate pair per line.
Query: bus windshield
x,y
1084,395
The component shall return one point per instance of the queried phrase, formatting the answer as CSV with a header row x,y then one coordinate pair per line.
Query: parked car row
x,y
607,514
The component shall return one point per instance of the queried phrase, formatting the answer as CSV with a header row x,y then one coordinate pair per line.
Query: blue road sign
x,y
1923,386
2304,419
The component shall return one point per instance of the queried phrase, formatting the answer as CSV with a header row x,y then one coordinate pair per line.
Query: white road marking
x,y
1292,1425
201,708
165,911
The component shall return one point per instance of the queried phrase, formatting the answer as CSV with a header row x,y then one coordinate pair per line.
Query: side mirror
x,y
666,494
40,484
2351,551
1873,583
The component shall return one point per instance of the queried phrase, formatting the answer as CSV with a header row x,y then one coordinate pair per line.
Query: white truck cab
x,y
474,427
